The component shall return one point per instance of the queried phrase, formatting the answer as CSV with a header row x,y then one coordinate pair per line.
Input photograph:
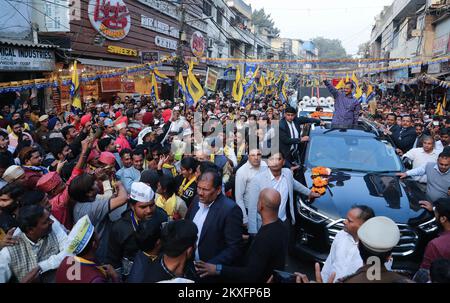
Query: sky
x,y
350,21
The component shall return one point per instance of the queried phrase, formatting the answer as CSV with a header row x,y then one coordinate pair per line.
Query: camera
x,y
283,277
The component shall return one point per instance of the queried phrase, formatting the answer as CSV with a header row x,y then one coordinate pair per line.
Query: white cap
x,y
13,173
80,235
379,234
176,108
141,192
144,133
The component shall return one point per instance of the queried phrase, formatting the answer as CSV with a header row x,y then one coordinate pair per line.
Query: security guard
x,y
377,237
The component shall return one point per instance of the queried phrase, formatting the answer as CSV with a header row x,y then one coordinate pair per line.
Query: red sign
x,y
111,85
128,87
198,44
110,18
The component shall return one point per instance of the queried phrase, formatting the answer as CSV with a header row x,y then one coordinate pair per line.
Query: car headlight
x,y
429,226
309,213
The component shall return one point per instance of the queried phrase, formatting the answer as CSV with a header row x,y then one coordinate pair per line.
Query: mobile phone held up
x,y
283,277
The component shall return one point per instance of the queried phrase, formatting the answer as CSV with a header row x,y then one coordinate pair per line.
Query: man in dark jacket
x,y
122,246
290,134
405,136
267,252
219,222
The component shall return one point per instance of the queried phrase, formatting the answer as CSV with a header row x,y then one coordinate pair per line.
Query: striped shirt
x,y
346,109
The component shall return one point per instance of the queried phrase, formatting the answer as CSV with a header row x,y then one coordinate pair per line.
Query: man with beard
x,y
16,134
122,246
40,248
9,207
59,152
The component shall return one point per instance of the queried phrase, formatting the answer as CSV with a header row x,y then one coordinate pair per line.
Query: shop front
x,y
25,61
134,32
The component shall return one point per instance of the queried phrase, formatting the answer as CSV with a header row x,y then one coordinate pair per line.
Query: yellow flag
x,y
441,107
154,87
341,84
182,85
347,79
75,87
358,93
261,84
158,73
193,86
355,79
238,90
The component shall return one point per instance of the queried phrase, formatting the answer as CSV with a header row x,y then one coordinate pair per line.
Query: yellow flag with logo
x,y
355,80
154,87
75,87
238,90
193,86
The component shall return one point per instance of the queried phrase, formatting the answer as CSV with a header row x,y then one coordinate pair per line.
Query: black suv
x,y
363,167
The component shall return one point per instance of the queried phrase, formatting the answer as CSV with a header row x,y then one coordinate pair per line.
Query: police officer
x,y
377,237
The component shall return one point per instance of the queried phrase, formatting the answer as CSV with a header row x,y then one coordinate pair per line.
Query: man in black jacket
x,y
122,246
267,252
290,134
405,136
219,222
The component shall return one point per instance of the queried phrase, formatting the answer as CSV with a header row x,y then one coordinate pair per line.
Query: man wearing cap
x,y
121,127
42,131
109,129
40,249
82,267
14,175
122,246
377,237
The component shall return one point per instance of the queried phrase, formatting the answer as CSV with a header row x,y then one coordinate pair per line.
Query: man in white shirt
x,y
344,258
244,175
422,156
41,247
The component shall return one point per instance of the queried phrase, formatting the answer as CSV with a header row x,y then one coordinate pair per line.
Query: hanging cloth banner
x,y
238,90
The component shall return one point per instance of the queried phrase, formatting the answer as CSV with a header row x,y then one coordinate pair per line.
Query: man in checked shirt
x,y
346,107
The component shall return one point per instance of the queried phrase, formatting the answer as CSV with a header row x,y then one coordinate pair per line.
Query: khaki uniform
x,y
361,276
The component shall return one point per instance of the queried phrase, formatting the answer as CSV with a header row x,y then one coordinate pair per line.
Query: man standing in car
x,y
346,107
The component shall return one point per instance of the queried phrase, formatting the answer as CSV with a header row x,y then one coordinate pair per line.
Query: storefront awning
x,y
24,43
105,63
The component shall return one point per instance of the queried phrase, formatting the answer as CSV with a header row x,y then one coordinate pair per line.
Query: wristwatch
x,y
218,269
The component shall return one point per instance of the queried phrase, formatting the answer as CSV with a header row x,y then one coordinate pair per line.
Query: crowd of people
x,y
133,191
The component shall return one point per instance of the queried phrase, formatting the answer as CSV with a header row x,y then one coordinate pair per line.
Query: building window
x,y
219,16
207,8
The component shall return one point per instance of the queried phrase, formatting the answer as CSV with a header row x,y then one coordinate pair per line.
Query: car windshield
x,y
352,153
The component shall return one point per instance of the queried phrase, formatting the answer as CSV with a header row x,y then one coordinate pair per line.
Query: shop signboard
x,y
26,59
150,56
111,84
440,45
110,18
211,79
159,26
198,44
434,68
166,43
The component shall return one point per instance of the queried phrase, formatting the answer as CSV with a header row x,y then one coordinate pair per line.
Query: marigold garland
x,y
320,179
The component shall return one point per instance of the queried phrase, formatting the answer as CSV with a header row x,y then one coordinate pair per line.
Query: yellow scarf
x,y
168,205
183,187
172,169
240,152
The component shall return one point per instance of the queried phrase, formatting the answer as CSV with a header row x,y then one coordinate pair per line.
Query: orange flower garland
x,y
320,179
